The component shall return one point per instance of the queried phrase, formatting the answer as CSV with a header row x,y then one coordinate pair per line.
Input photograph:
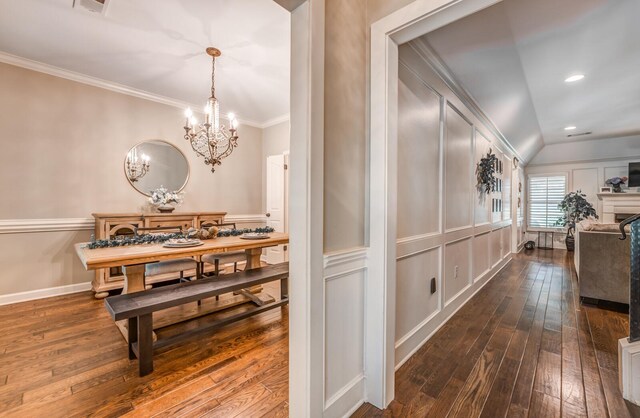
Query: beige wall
x,y
346,117
77,137
275,140
62,148
345,138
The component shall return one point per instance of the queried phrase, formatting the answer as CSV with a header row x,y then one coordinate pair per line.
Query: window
x,y
545,192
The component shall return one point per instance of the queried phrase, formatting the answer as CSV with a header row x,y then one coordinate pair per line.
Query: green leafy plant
x,y
576,208
160,238
485,172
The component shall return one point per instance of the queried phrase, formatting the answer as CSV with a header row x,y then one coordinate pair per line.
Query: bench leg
x,y
284,288
145,344
132,334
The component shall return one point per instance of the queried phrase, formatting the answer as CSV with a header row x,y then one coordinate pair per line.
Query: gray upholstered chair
x,y
221,259
178,265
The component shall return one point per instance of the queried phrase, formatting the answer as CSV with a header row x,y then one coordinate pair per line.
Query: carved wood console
x,y
113,225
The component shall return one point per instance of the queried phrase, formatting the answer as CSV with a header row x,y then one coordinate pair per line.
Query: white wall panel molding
x,y
19,226
427,53
339,262
44,293
345,278
406,247
112,86
408,344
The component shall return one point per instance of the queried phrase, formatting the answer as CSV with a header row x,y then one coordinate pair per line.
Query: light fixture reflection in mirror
x,y
136,167
156,163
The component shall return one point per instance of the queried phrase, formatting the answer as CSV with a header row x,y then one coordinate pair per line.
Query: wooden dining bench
x,y
138,307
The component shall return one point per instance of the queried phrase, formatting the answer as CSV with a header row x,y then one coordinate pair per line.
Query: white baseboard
x,y
347,400
44,293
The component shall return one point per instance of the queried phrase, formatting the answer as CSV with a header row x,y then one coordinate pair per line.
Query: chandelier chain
x,y
213,78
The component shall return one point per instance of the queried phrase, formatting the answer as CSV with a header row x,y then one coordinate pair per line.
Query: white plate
x,y
182,243
254,235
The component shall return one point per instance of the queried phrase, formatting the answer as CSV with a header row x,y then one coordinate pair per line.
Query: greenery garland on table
x,y
160,238
236,232
485,172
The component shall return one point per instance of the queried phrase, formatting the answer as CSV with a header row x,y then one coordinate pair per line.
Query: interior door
x,y
276,204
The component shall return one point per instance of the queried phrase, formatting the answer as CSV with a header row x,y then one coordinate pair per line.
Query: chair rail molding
x,y
19,226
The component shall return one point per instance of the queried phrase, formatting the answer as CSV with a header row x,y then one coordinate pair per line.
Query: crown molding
x,y
52,70
620,159
275,121
427,53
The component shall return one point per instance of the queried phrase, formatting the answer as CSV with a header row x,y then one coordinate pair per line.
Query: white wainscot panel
x,y
496,243
418,157
415,303
481,260
506,241
345,277
458,190
457,268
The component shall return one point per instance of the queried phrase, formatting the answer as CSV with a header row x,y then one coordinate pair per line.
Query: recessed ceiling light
x,y
569,128
573,78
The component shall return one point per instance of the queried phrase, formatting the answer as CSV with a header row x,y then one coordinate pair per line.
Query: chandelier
x,y
136,167
211,140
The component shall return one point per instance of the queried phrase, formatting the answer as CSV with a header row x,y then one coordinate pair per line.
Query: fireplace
x,y
616,207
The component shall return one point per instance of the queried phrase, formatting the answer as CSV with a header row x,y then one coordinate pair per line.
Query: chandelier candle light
x,y
136,168
211,140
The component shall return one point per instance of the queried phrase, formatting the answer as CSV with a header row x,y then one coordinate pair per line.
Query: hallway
x,y
523,346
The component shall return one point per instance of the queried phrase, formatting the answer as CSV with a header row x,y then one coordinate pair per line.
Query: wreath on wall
x,y
486,172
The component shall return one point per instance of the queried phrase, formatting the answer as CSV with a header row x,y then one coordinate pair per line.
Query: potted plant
x,y
576,208
617,183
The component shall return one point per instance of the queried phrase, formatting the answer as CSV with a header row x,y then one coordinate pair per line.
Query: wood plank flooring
x,y
524,346
64,357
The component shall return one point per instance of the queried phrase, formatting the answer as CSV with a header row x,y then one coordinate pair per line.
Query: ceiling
x,y
159,47
513,58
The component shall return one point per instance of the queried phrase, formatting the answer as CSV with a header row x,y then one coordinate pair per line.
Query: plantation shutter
x,y
545,192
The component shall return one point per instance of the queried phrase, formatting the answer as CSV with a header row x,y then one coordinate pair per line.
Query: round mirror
x,y
155,163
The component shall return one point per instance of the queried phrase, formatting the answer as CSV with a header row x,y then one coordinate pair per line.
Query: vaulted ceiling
x,y
513,59
159,47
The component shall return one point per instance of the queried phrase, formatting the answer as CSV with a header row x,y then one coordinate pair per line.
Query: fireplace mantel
x,y
618,204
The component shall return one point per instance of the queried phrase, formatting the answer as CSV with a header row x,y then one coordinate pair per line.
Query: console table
x,y
113,225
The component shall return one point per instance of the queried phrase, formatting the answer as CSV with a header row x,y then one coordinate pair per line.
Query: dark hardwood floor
x,y
64,357
523,346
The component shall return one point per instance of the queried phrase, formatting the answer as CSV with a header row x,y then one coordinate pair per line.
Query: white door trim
x,y
412,21
306,286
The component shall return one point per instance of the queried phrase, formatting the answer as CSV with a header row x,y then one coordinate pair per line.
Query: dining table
x,y
134,258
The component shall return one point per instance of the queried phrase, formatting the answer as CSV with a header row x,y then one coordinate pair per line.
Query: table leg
x,y
253,258
133,278
254,292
